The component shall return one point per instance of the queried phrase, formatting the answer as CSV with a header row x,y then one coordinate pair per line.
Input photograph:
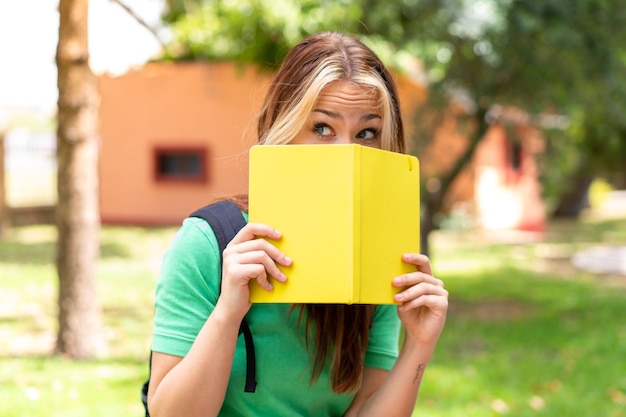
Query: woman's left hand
x,y
424,301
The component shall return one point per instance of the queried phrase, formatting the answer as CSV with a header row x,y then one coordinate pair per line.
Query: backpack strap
x,y
226,220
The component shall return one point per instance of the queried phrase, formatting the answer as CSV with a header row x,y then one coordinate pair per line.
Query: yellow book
x,y
347,213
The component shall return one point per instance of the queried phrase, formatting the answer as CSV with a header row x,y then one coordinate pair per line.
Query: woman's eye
x,y
367,134
322,129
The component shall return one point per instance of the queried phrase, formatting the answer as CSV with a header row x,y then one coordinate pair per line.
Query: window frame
x,y
200,151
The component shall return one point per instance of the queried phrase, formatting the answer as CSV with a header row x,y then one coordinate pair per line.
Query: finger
x,y
421,261
256,272
420,290
262,258
253,230
414,278
259,245
431,301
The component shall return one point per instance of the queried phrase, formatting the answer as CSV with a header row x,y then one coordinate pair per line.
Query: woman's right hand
x,y
250,257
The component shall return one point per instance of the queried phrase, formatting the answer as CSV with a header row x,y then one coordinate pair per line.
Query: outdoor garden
x,y
533,329
527,333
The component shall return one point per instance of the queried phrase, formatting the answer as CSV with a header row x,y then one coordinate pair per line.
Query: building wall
x,y
187,105
182,105
174,105
439,157
507,191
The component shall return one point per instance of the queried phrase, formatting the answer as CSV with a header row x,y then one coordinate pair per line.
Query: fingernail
x,y
287,259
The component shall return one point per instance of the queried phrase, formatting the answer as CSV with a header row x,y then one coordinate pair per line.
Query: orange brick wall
x,y
181,105
215,104
508,198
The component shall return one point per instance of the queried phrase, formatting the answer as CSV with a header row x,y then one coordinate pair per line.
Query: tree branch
x,y
142,22
464,159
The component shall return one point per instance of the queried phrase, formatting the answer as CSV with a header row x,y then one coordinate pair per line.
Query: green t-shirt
x,y
186,294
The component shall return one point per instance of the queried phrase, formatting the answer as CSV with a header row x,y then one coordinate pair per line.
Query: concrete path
x,y
605,259
602,260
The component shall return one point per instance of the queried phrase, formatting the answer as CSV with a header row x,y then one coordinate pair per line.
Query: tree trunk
x,y
433,202
80,332
430,207
5,222
576,198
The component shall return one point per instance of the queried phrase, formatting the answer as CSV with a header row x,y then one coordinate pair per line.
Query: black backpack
x,y
226,220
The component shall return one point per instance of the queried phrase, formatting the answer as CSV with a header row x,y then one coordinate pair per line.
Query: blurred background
x,y
118,118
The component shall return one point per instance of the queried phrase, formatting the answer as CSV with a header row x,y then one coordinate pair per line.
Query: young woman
x,y
312,360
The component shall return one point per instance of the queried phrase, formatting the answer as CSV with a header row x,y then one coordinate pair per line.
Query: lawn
x,y
527,334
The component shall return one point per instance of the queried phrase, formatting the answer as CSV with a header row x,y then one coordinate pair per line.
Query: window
x,y
180,164
514,159
515,155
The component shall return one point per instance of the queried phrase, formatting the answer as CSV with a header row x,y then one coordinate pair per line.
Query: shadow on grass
x,y
38,360
39,253
43,253
568,230
529,343
114,250
128,313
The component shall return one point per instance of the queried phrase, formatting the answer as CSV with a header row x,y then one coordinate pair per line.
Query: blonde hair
x,y
308,69
335,332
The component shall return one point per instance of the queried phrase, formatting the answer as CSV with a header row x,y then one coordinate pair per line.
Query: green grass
x,y
527,334
34,383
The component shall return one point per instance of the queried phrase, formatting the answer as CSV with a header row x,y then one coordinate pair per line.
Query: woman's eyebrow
x,y
331,114
370,116
338,116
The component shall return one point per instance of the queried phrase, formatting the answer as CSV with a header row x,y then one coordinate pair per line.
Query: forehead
x,y
349,95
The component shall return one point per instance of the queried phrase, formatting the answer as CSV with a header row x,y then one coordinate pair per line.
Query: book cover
x,y
347,214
